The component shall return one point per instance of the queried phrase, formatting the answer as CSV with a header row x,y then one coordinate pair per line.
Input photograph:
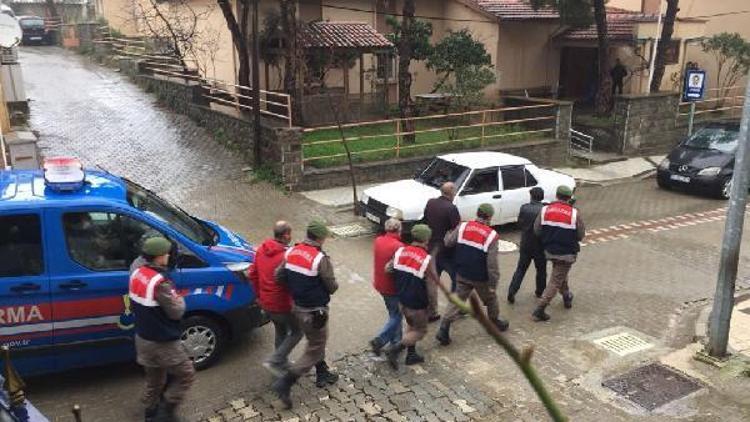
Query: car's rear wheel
x,y
726,188
204,339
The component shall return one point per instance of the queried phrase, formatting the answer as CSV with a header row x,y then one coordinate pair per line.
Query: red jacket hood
x,y
271,248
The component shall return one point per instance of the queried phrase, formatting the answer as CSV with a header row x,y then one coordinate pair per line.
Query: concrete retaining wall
x,y
646,124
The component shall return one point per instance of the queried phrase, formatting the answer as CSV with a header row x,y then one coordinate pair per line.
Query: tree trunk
x,y
664,41
405,105
288,12
51,8
239,39
604,91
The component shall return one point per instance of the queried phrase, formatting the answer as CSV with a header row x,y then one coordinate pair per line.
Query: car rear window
x,y
21,245
724,139
31,23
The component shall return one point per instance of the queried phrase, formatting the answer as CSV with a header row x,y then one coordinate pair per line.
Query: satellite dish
x,y
10,31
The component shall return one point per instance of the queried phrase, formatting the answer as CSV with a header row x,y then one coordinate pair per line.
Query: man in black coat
x,y
531,247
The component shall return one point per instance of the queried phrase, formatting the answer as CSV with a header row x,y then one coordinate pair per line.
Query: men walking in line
x,y
384,248
413,270
560,227
441,216
158,309
531,247
477,268
308,274
274,298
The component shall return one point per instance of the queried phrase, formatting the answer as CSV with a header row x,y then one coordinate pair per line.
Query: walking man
x,y
441,216
561,228
413,270
308,274
618,74
158,309
274,298
384,248
531,247
477,268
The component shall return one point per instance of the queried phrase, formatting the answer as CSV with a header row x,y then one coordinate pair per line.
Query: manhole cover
x,y
351,230
623,344
652,386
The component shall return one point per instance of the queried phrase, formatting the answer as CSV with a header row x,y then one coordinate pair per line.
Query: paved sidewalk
x,y
739,330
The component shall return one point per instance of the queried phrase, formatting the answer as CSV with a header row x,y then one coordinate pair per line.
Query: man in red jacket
x,y
274,298
384,248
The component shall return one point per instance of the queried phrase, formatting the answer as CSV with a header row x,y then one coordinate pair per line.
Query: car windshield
x,y
722,139
31,23
178,219
440,171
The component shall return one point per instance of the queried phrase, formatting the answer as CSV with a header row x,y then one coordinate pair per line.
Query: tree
x,y
732,55
463,66
664,42
238,29
293,55
603,103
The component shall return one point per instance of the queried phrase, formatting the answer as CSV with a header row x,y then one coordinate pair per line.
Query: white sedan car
x,y
502,180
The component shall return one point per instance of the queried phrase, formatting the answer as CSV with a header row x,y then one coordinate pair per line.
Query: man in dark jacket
x,y
275,299
531,246
618,74
308,274
158,309
561,228
441,216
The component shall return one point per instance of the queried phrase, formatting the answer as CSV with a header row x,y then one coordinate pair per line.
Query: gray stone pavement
x,y
649,283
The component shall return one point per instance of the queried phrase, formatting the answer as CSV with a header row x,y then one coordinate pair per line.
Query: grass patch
x,y
380,140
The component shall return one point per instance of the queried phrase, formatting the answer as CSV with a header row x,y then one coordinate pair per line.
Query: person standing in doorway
x,y
383,249
158,310
477,268
308,274
561,228
274,298
618,74
531,247
441,216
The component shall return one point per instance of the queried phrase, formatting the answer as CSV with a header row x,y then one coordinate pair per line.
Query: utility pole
x,y
256,90
721,313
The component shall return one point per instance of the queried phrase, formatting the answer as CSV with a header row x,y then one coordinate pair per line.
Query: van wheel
x,y
204,339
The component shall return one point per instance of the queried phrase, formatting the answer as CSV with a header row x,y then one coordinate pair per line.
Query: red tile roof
x,y
354,35
620,27
516,10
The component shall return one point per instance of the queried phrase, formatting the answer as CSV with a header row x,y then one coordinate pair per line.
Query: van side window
x,y
21,245
102,241
530,179
513,177
482,181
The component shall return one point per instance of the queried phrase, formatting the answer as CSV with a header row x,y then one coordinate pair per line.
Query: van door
x,y
93,317
482,187
515,192
25,314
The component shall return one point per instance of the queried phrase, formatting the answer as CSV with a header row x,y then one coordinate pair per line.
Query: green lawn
x,y
382,136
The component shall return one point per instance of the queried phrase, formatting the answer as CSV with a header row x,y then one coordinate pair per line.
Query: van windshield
x,y
440,171
178,219
31,23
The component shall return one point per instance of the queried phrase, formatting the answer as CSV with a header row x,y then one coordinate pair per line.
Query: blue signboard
x,y
695,85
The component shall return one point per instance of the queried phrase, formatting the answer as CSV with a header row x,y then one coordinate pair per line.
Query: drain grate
x,y
652,386
351,230
623,344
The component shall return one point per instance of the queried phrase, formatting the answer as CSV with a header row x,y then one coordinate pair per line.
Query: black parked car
x,y
34,31
704,162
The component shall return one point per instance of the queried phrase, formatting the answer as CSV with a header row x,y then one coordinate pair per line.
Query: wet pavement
x,y
649,282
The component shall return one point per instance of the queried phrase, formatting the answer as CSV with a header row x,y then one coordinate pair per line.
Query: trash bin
x,y
22,150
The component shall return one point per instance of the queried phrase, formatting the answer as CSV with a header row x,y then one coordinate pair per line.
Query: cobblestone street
x,y
650,279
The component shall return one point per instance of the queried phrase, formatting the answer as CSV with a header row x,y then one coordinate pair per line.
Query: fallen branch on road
x,y
522,358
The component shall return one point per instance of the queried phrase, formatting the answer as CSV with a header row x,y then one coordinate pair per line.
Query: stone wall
x,y
647,124
548,152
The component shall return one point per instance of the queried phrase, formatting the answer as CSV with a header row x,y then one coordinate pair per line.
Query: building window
x,y
672,53
386,66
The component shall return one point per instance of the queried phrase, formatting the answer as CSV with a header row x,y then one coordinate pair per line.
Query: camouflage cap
x,y
421,233
156,246
486,210
564,191
318,229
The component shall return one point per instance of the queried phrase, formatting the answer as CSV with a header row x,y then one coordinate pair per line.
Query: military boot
x,y
502,324
393,353
443,335
539,314
283,388
323,375
150,414
568,300
412,357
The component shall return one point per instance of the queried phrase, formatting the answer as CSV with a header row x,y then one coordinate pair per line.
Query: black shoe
x,y
539,314
150,414
376,345
538,294
412,357
568,300
166,412
392,355
433,318
283,388
502,324
323,376
511,298
443,335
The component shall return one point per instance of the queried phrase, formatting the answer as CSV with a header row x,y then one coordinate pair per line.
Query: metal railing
x,y
581,145
718,103
395,138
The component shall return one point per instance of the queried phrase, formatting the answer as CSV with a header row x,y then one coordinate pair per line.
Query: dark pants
x,y
617,86
180,379
288,334
315,349
558,281
445,263
524,260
